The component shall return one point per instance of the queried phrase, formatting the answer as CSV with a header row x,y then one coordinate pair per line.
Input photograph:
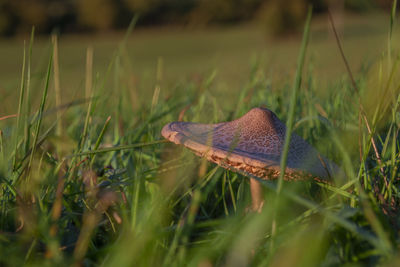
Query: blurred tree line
x,y
281,16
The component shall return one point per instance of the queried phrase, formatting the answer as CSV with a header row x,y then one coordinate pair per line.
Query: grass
x,y
92,182
192,55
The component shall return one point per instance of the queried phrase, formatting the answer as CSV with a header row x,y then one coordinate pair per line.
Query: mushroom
x,y
252,144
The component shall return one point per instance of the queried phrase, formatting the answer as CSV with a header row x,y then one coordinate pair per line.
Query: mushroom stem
x,y
258,138
257,195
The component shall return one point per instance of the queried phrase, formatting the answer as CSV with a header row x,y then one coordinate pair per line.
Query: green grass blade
x,y
391,23
96,146
40,112
20,103
118,148
293,99
27,125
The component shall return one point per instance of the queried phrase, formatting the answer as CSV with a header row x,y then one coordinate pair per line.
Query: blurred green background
x,y
186,41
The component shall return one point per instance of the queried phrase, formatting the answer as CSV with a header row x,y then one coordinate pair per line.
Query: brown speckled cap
x,y
252,143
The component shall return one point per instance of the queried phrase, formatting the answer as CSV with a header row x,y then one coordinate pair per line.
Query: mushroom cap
x,y
253,143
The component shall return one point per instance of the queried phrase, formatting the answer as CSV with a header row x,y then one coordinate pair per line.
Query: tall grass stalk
x,y
57,89
89,72
362,112
293,99
40,115
391,24
27,124
20,105
291,112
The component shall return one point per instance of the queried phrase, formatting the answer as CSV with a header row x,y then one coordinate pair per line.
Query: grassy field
x,y
189,56
87,179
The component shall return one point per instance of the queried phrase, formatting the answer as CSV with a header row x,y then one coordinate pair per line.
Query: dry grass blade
x,y
8,117
89,72
356,90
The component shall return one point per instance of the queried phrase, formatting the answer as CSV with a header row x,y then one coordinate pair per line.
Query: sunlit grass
x,y
106,189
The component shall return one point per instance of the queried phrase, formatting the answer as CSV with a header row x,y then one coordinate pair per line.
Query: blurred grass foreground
x,y
86,178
